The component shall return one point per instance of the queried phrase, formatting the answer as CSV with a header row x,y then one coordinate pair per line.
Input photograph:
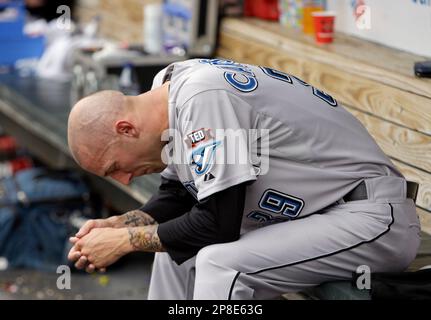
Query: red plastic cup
x,y
324,26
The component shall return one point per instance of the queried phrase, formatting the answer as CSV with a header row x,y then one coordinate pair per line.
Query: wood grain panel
x,y
397,142
121,20
425,219
421,177
384,101
383,109
360,58
401,143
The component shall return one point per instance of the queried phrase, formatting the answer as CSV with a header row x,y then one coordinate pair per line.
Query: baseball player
x,y
268,186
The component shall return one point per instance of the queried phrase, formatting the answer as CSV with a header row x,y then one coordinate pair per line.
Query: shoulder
x,y
158,79
194,78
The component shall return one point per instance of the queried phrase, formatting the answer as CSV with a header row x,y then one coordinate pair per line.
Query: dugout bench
x,y
375,83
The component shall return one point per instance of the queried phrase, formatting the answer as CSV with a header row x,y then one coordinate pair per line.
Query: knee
x,y
213,256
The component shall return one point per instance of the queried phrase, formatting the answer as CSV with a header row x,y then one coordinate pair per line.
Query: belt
x,y
360,192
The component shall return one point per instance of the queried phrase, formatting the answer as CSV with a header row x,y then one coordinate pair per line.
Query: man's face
x,y
129,158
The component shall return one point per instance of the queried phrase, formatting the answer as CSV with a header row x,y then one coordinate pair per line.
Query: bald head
x,y
119,136
91,125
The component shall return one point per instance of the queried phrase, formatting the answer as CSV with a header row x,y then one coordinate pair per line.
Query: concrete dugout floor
x,y
128,279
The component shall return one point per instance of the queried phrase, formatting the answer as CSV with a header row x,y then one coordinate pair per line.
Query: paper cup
x,y
324,26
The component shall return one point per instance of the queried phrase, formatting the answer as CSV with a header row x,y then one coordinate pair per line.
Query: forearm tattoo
x,y
145,239
138,218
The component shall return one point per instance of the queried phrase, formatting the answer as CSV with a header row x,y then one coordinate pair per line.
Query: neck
x,y
152,107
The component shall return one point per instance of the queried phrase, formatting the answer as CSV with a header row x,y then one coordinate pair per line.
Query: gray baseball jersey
x,y
298,147
300,152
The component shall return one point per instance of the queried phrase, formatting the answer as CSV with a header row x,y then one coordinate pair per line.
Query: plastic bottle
x,y
310,6
128,83
291,13
153,32
91,30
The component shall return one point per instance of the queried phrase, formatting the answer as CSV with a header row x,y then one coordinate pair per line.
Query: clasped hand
x,y
98,244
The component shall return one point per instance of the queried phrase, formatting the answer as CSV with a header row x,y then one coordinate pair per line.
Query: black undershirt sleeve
x,y
171,201
216,219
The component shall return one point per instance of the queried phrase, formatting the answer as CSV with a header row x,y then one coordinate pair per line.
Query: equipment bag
x,y
35,207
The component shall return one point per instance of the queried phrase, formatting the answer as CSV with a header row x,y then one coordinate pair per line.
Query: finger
x,y
90,268
73,240
73,255
77,243
81,263
86,228
102,270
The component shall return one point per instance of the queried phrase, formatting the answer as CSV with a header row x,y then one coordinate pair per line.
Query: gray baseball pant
x,y
382,232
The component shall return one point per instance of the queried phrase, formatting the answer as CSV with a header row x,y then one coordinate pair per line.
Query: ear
x,y
126,128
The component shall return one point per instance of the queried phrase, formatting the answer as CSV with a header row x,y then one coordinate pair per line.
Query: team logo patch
x,y
198,136
203,157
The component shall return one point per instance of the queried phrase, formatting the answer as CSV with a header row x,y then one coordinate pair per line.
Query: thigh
x,y
326,233
328,246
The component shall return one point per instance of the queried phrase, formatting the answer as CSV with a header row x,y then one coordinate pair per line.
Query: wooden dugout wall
x,y
375,83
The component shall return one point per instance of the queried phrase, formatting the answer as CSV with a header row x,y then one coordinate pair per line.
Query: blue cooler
x,y
14,44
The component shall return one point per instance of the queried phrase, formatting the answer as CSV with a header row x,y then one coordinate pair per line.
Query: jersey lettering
x,y
237,75
277,74
248,84
288,78
325,97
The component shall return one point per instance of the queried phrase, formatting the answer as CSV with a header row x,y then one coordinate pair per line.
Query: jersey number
x,y
288,78
278,204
